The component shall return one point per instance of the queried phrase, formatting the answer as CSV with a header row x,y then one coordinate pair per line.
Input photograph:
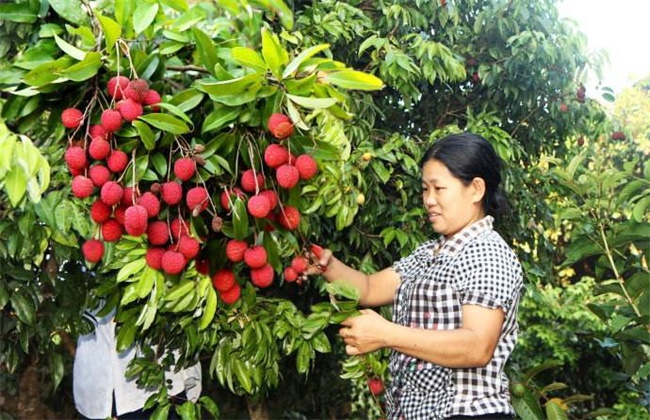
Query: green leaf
x,y
24,308
205,47
527,407
17,13
143,16
187,99
85,69
71,10
125,336
15,184
248,57
312,103
352,79
209,309
240,219
112,31
48,72
166,123
242,374
69,49
219,117
176,111
294,65
146,134
229,87
129,270
274,55
56,368
554,411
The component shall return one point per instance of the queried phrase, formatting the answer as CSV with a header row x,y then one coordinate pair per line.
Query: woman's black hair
x,y
469,156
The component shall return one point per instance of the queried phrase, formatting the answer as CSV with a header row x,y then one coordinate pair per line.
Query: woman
x,y
454,298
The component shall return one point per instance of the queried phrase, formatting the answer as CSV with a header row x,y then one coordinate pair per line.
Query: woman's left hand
x,y
364,333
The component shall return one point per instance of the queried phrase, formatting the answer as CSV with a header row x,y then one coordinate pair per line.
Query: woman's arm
x,y
471,345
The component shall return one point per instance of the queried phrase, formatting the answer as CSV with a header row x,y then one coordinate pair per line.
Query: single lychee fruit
x,y
197,198
229,195
76,172
137,90
271,196
82,187
135,220
376,386
287,176
280,126
154,257
231,295
289,217
306,166
75,158
96,130
276,155
299,264
111,230
111,193
116,86
129,109
184,168
171,193
99,148
111,120
118,213
158,232
581,141
223,280
189,247
128,197
117,161
251,181
255,257
618,135
564,107
100,212
99,174
72,118
93,250
178,228
258,206
150,202
235,250
202,266
290,275
152,98
173,262
262,277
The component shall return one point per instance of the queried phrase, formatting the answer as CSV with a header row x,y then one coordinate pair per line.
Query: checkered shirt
x,y
474,267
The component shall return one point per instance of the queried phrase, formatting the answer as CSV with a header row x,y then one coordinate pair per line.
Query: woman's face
x,y
450,205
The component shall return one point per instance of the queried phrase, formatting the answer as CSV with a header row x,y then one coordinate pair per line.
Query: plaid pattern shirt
x,y
474,267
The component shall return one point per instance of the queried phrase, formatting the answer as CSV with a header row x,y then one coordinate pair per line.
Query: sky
x,y
622,28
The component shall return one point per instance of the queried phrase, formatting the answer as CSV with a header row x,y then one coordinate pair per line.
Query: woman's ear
x,y
478,185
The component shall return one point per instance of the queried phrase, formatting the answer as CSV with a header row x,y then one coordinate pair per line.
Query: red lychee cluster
x,y
618,135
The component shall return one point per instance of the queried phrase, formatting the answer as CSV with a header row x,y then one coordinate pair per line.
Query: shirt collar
x,y
451,246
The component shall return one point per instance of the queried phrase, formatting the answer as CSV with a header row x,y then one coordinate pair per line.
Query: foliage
x,y
631,111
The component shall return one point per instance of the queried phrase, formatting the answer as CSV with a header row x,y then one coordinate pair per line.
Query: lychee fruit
x,y
99,148
82,186
111,230
173,262
262,277
135,220
100,212
184,168
287,176
111,120
618,135
127,197
118,213
202,266
96,130
99,174
137,90
229,195
231,295
276,155
75,158
290,275
129,109
289,217
271,196
189,247
111,193
376,386
151,99
116,86
306,166
150,202
72,118
235,250
178,228
251,181
158,232
154,257
223,280
117,161
564,107
197,198
280,126
255,257
258,206
299,264
93,250
171,193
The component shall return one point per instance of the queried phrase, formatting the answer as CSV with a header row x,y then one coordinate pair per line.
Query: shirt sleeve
x,y
489,275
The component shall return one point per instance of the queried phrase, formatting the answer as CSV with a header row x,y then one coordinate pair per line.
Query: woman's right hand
x,y
319,259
